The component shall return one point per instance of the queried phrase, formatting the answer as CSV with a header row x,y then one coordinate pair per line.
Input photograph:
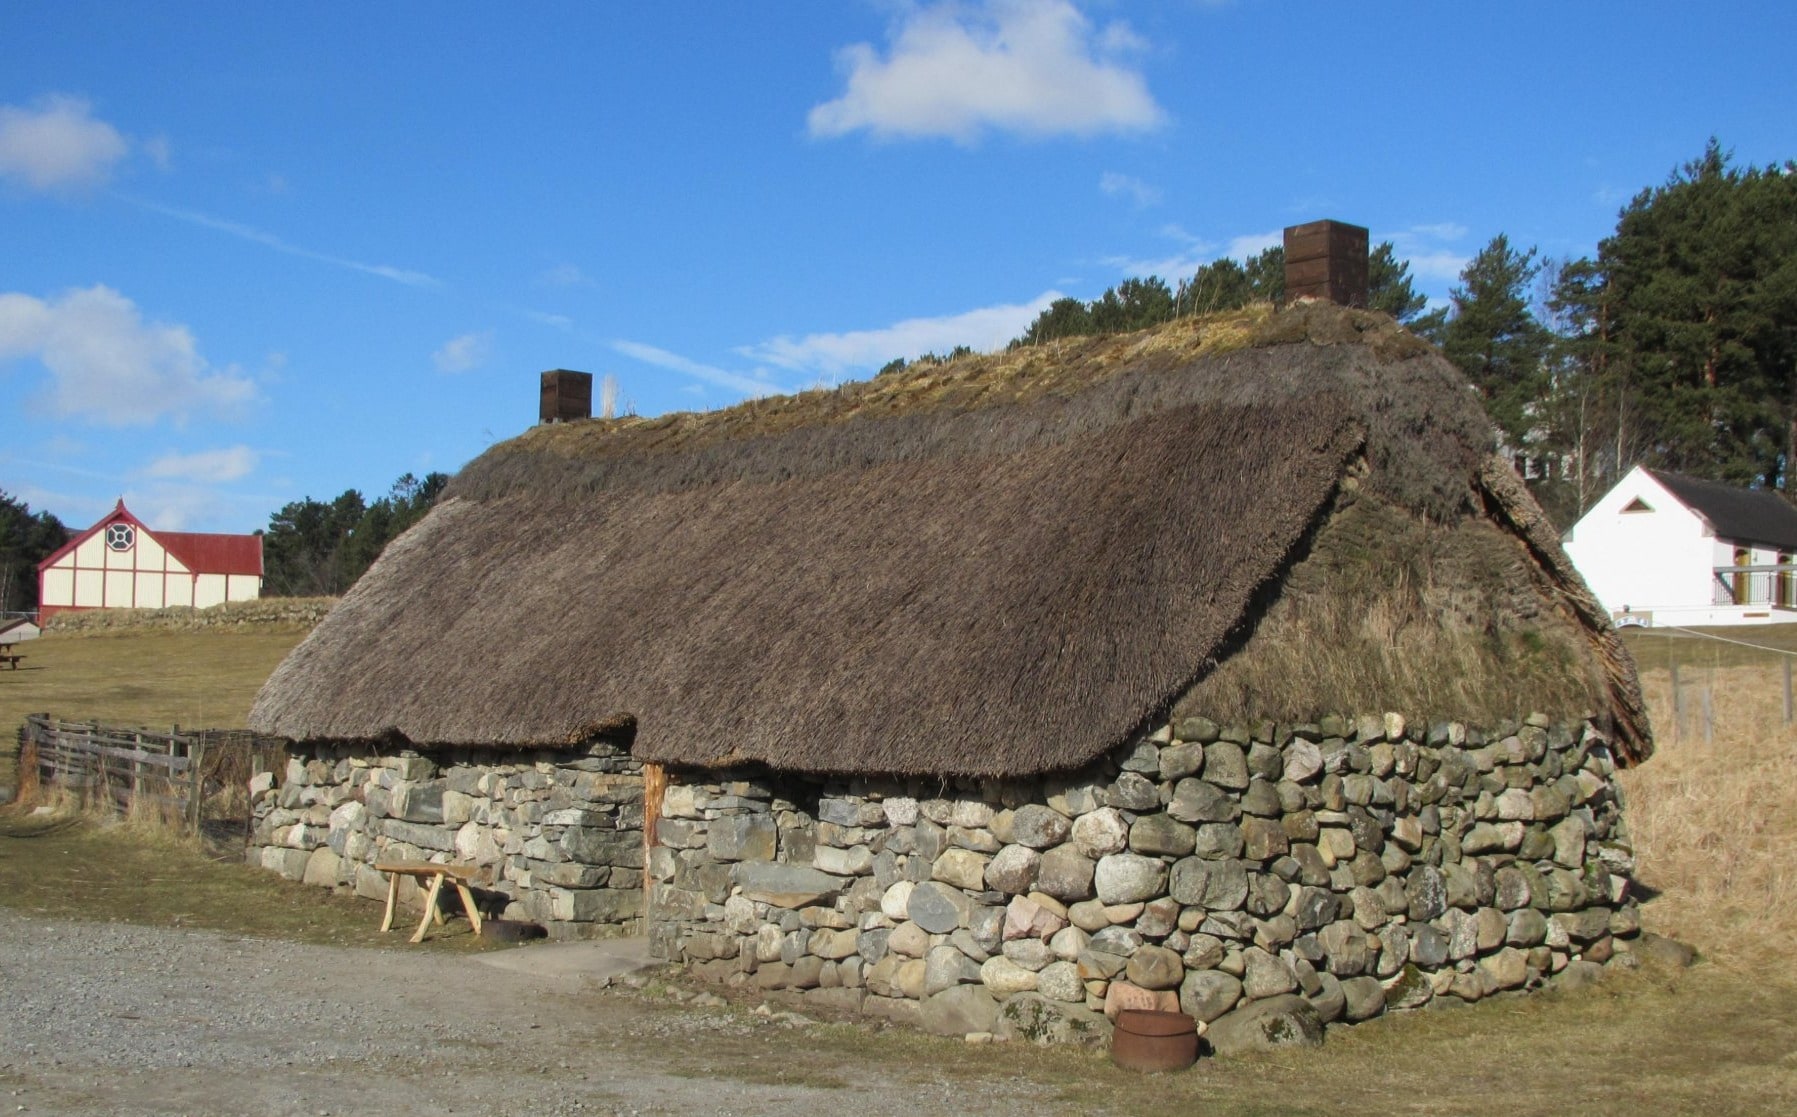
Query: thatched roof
x,y
996,565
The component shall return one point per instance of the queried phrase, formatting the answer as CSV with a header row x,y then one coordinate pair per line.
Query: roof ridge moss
x,y
978,381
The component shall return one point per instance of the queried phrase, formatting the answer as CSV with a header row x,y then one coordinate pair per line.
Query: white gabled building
x,y
1666,549
119,563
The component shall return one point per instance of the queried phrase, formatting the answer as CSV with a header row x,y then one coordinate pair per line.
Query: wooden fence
x,y
174,772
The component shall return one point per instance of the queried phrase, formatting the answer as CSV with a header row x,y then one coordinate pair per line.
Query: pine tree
x,y
1219,286
1590,407
1062,318
1216,287
314,548
1266,275
26,539
1493,336
1702,278
1389,289
1134,304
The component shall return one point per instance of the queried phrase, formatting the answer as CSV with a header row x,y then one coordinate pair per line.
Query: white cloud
x,y
1125,186
544,318
564,275
1034,67
1189,252
269,240
160,152
213,466
56,144
1443,230
833,355
662,358
108,365
60,467
172,503
1193,253
1250,245
174,506
464,352
1117,38
1429,249
67,505
1441,266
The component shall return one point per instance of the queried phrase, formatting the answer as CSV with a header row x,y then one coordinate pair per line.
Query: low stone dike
x,y
1266,880
558,836
267,612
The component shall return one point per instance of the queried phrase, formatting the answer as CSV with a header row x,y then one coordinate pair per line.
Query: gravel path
x,y
117,1019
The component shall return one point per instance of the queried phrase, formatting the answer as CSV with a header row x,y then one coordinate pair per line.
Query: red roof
x,y
203,553
200,552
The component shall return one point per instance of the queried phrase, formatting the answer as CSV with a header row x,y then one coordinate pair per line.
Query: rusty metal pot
x,y
1145,1040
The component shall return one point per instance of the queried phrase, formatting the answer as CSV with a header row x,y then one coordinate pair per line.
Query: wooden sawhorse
x,y
460,874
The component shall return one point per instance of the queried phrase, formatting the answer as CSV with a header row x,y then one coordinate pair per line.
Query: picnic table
x,y
10,657
419,870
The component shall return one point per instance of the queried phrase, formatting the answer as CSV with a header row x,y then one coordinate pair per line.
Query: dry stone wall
x,y
1259,878
557,836
264,612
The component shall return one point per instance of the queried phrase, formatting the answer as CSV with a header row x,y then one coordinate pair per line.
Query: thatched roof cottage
x,y
1222,664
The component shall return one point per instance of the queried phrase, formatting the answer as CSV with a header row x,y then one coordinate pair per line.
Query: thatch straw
x,y
991,566
1512,506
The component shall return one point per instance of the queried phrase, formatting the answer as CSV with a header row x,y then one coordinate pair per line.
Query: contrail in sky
x,y
269,240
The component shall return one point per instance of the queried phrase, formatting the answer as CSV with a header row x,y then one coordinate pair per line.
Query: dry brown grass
x,y
153,677
149,677
1715,829
149,821
1388,612
1008,376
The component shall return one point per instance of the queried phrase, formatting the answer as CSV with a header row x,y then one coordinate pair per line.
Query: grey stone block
x,y
1283,1021
786,886
959,1011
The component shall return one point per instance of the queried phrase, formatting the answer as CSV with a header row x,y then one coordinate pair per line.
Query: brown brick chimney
x,y
1326,260
567,396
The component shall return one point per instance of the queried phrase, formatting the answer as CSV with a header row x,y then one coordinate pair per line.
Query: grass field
x,y
156,678
69,866
1657,649
1714,825
1715,832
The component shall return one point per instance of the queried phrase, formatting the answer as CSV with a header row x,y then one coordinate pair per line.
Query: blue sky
x,y
254,252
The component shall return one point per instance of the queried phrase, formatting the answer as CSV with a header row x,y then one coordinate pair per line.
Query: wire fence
x,y
1697,662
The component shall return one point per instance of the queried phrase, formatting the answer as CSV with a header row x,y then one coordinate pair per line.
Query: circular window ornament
x,y
119,537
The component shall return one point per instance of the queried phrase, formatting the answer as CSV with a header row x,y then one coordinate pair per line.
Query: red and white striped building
x,y
120,563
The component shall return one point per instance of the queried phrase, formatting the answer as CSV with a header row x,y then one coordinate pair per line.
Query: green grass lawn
x,y
73,867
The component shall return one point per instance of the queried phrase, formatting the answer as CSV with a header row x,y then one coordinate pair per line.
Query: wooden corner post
x,y
655,788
